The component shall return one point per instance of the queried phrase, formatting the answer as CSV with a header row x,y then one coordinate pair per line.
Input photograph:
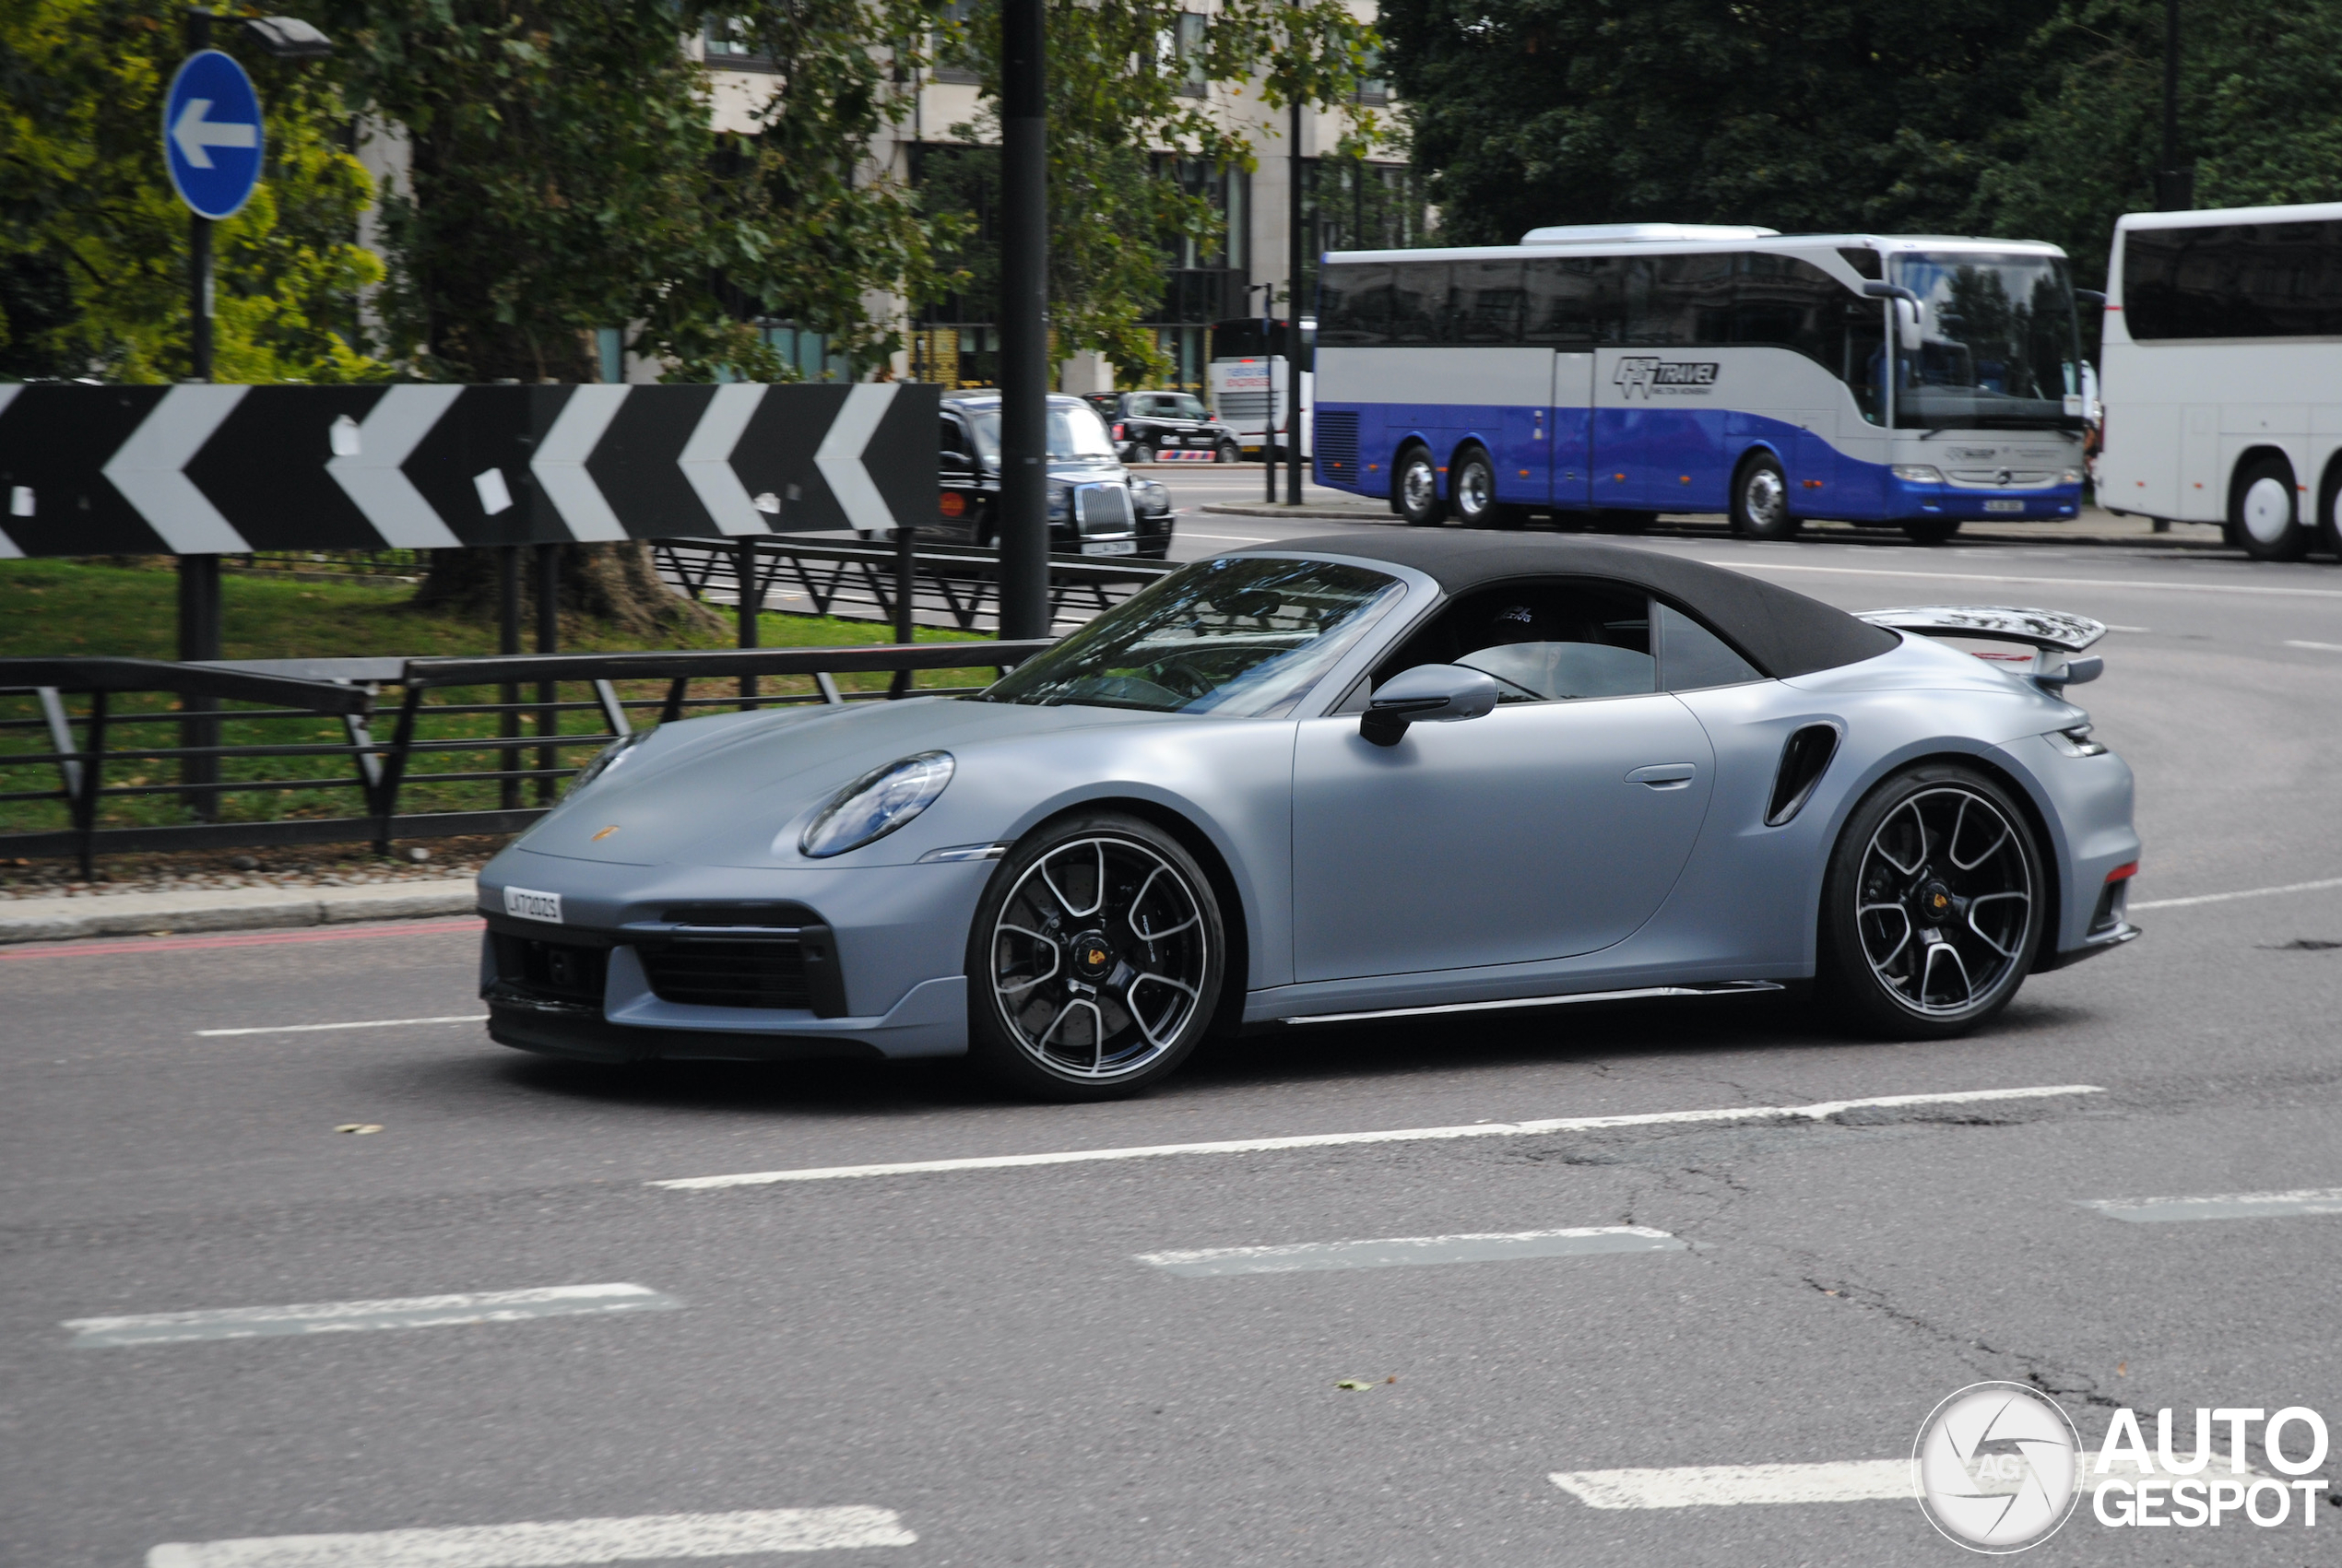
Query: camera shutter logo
x,y
1997,1466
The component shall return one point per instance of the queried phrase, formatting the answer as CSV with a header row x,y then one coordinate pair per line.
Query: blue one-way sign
x,y
211,134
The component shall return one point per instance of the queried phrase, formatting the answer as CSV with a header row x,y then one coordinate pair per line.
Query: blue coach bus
x,y
1609,373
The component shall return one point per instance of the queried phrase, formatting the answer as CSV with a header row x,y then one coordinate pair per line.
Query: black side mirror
x,y
1427,694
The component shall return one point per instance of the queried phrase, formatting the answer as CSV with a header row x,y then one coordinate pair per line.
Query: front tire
x,y
1760,499
1416,487
1095,962
1932,906
2262,514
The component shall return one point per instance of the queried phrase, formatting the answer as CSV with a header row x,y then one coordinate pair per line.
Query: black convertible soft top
x,y
1783,633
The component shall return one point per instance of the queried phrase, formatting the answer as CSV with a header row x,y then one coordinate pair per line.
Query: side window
x,y
1487,303
952,439
1353,306
1572,301
1544,642
1692,658
1419,301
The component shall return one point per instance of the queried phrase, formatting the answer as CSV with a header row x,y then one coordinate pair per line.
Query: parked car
x,y
1097,506
1380,775
1166,427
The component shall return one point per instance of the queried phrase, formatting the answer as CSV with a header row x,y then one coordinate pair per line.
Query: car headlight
x,y
608,757
1060,499
1918,473
876,804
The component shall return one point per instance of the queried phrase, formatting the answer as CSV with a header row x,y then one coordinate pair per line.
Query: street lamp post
x,y
2174,186
1293,315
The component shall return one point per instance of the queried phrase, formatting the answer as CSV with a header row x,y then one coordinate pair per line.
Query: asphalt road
x,y
982,1354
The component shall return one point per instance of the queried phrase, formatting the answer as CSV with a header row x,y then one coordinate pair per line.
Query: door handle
x,y
1663,775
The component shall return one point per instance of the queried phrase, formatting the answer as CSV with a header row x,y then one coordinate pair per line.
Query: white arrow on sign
x,y
839,458
196,135
706,461
149,469
371,476
560,463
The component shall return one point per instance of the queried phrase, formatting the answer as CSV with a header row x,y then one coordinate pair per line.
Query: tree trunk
x,y
614,586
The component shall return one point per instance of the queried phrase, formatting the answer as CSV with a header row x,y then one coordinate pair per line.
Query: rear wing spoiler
x,y
2055,635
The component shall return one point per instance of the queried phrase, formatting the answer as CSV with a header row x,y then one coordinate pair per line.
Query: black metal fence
x,y
955,585
300,746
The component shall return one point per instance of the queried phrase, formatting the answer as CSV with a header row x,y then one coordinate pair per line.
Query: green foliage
x,y
93,243
1798,115
564,177
1121,90
2260,114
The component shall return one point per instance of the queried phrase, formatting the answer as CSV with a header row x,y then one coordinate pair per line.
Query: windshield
x,y
1241,635
1998,347
1075,431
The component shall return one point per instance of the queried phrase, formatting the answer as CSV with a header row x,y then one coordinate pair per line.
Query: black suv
x,y
1164,427
1097,506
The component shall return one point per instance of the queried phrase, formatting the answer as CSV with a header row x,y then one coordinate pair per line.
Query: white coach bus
x,y
1247,378
1617,371
2223,372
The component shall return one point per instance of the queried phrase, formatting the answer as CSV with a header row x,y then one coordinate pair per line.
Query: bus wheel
x,y
2261,504
1760,499
1930,530
1473,483
1416,485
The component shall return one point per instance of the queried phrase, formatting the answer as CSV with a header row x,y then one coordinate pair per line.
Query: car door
x,y
959,501
1548,828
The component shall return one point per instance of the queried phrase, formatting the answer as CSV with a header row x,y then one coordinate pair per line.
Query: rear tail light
x,y
2123,872
1117,431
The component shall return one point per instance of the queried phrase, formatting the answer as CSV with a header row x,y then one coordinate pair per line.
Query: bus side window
x,y
1353,306
1572,301
1419,301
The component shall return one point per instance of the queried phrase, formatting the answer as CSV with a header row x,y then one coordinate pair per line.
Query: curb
x,y
229,909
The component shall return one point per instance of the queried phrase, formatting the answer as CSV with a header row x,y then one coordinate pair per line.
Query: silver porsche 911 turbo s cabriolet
x,y
1338,779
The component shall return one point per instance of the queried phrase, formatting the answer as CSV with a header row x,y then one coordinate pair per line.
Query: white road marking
x,y
649,1537
1403,1251
364,1023
2321,647
2049,581
1820,1111
2111,626
1228,538
2220,1206
344,1317
2246,893
1717,1486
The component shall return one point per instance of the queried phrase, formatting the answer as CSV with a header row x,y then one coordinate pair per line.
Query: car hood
x,y
717,790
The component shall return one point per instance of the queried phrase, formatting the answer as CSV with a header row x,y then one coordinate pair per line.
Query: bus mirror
x,y
1907,325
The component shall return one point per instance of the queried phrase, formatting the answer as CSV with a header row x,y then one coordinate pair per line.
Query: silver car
x,y
1361,777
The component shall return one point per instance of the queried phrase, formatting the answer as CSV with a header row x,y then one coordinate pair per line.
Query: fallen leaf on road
x,y
360,1127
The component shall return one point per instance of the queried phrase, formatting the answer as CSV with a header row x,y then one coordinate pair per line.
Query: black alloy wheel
x,y
1414,486
1760,499
1930,530
2264,511
1934,905
1095,962
1471,481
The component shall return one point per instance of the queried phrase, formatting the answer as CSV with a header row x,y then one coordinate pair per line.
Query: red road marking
x,y
241,939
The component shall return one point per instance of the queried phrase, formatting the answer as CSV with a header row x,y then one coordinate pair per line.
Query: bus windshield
x,y
1998,345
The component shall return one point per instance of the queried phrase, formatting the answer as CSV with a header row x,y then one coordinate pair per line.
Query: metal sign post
x,y
1024,323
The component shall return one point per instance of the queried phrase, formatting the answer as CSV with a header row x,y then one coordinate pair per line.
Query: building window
x,y
727,46
1184,57
610,349
949,48
1373,92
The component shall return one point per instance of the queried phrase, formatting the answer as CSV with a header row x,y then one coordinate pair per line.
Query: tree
x,y
1134,143
2260,115
93,243
1796,114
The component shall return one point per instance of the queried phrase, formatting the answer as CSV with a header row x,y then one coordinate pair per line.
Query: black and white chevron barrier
x,y
220,470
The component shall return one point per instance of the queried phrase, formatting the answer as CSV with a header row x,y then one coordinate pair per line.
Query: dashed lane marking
x,y
344,1317
317,1028
2220,1206
2320,647
1820,1111
653,1537
2245,893
1720,1486
1405,1251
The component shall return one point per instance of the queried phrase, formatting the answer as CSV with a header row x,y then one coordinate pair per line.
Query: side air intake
x,y
1803,763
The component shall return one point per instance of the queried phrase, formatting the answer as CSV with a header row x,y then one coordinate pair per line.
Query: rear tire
x,y
1930,530
1415,484
2263,509
1932,906
1225,453
1095,962
1472,484
1760,499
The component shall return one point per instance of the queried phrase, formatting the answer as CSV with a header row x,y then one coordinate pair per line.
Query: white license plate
x,y
2003,506
523,903
1089,547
